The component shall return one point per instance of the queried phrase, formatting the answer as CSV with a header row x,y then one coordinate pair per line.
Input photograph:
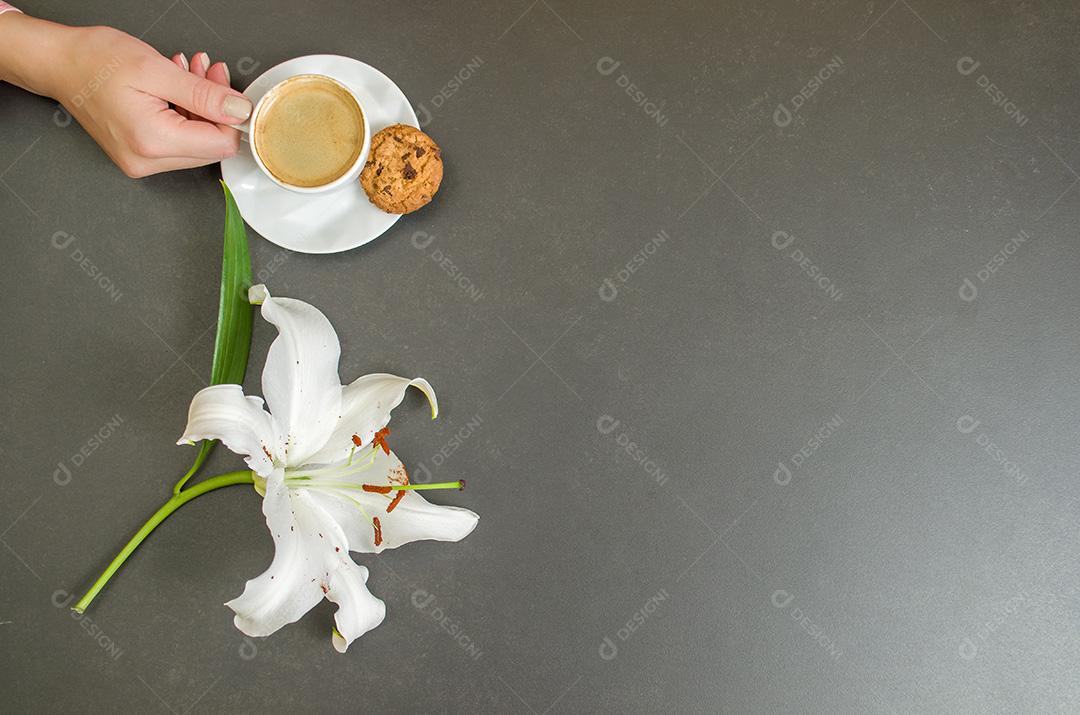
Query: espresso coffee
x,y
310,132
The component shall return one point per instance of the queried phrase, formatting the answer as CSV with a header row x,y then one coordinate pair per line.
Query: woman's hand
x,y
120,90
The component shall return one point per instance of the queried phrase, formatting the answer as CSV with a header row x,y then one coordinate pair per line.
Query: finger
x,y
199,64
181,61
140,167
173,163
198,95
219,72
197,139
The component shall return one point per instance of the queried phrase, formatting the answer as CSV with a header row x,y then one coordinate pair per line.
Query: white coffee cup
x,y
250,129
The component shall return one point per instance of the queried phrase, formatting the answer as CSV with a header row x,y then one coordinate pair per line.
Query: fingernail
x,y
228,77
237,107
183,59
205,60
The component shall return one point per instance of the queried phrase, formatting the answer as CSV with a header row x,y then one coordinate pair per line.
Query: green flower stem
x,y
205,448
178,500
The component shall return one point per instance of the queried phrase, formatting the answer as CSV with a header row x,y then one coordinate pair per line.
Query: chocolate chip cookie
x,y
403,170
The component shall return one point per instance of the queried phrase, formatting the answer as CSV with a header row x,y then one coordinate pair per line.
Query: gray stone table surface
x,y
754,327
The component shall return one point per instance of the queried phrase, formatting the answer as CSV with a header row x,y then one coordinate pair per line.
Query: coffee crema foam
x,y
310,132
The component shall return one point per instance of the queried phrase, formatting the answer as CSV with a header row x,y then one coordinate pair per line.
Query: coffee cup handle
x,y
245,130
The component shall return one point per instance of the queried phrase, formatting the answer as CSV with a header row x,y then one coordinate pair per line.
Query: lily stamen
x,y
376,488
336,472
379,440
395,501
386,489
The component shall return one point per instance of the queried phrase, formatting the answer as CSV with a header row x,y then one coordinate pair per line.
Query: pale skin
x,y
149,113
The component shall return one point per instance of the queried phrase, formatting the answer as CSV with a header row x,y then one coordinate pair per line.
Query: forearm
x,y
31,52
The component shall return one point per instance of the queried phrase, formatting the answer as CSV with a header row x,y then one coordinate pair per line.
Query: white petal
x,y
365,409
311,560
223,412
300,379
293,584
413,519
358,611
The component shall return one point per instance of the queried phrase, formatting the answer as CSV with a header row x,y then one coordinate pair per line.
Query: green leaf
x,y
235,315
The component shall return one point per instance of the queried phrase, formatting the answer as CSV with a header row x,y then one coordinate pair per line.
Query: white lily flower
x,y
325,472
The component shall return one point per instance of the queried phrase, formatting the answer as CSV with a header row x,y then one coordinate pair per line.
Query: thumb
x,y
200,96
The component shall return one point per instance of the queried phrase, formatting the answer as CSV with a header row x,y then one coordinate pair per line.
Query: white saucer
x,y
320,223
